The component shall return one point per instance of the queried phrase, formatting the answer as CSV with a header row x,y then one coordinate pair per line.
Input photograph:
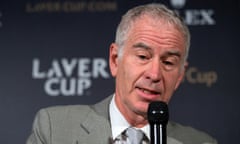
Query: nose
x,y
154,72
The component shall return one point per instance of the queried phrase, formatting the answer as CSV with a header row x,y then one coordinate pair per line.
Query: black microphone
x,y
158,118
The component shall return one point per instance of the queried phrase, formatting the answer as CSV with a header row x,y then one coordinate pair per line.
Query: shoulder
x,y
58,118
57,121
67,108
62,115
189,135
68,111
74,113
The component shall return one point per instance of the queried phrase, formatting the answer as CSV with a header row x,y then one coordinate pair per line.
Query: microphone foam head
x,y
158,113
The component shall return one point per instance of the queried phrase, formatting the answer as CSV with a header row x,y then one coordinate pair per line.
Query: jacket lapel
x,y
96,127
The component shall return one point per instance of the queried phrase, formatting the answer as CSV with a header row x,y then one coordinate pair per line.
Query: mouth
x,y
149,92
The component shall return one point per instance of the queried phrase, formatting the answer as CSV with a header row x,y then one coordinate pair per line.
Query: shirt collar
x,y
119,123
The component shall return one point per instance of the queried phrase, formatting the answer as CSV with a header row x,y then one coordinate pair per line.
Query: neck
x,y
135,119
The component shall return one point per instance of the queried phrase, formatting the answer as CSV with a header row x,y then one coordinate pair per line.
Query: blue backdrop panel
x,y
56,53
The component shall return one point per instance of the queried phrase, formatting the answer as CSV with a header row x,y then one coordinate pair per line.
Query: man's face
x,y
151,65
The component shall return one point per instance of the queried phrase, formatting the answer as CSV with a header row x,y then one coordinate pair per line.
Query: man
x,y
148,60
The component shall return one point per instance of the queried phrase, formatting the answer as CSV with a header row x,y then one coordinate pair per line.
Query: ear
x,y
113,59
181,75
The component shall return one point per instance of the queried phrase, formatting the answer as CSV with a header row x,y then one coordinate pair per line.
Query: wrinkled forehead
x,y
156,23
158,31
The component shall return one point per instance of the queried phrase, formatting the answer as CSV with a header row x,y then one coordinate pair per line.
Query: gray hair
x,y
155,10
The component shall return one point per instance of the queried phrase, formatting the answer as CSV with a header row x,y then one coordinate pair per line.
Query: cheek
x,y
123,75
130,71
129,74
171,81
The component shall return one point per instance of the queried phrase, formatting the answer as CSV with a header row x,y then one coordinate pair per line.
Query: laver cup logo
x,y
69,77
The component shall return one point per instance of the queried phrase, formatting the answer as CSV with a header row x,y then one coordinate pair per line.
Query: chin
x,y
142,108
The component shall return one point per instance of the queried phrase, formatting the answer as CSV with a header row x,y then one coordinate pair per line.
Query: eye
x,y
169,63
142,57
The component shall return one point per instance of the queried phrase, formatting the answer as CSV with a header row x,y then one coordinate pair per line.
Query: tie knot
x,y
135,136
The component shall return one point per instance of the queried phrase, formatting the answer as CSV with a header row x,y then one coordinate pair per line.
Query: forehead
x,y
155,23
155,32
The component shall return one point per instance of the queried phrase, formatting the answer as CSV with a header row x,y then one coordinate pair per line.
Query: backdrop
x,y
55,52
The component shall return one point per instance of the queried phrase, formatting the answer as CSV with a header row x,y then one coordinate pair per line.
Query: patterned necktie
x,y
134,136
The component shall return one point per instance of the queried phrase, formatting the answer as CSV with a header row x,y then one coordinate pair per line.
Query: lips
x,y
148,91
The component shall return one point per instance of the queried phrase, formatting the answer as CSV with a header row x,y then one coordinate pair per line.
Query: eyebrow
x,y
168,53
142,45
173,53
